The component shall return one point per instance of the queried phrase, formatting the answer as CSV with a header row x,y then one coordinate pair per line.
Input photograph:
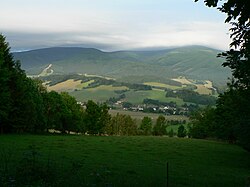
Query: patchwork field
x,y
202,88
120,161
100,89
68,85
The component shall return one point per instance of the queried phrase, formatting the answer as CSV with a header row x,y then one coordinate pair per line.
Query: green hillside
x,y
196,62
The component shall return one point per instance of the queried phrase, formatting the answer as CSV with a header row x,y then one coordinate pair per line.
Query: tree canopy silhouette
x,y
233,106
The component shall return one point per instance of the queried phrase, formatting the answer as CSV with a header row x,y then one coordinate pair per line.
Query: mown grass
x,y
98,94
104,92
129,161
137,97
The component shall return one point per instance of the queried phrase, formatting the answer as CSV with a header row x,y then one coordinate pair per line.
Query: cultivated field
x,y
98,94
204,88
68,85
137,97
120,161
139,115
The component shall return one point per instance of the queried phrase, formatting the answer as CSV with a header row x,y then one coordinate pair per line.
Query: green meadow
x,y
76,160
137,97
103,93
98,94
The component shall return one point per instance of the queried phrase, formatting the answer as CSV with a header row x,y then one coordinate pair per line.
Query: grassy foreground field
x,y
122,161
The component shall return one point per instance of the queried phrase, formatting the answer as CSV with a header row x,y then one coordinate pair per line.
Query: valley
x,y
174,81
192,62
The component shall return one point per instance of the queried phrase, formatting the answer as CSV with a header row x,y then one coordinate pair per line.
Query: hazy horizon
x,y
136,49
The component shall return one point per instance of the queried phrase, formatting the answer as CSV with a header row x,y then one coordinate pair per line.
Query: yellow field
x,y
205,88
68,85
202,89
71,85
183,80
208,84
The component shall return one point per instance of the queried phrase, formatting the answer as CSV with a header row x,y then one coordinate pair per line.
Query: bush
x,y
181,131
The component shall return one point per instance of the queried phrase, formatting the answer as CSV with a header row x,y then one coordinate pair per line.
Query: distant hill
x,y
195,62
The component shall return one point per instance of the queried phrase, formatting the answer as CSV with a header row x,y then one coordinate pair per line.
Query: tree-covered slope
x,y
195,62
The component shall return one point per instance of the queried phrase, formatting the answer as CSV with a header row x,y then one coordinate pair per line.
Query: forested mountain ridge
x,y
195,62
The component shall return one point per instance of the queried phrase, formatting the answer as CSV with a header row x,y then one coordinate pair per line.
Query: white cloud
x,y
31,27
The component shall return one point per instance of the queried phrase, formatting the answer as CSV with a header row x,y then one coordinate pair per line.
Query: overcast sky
x,y
111,24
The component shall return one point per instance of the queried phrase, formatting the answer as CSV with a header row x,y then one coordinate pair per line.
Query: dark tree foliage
x,y
160,127
171,133
27,114
21,105
237,59
146,126
232,114
6,68
122,125
53,110
193,97
203,123
97,117
181,131
72,118
148,101
25,104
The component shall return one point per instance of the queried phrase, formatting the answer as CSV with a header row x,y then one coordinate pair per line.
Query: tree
x,y
181,131
160,127
72,116
53,110
6,67
93,113
237,59
202,123
21,104
171,133
97,117
28,108
235,117
146,126
122,125
105,117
